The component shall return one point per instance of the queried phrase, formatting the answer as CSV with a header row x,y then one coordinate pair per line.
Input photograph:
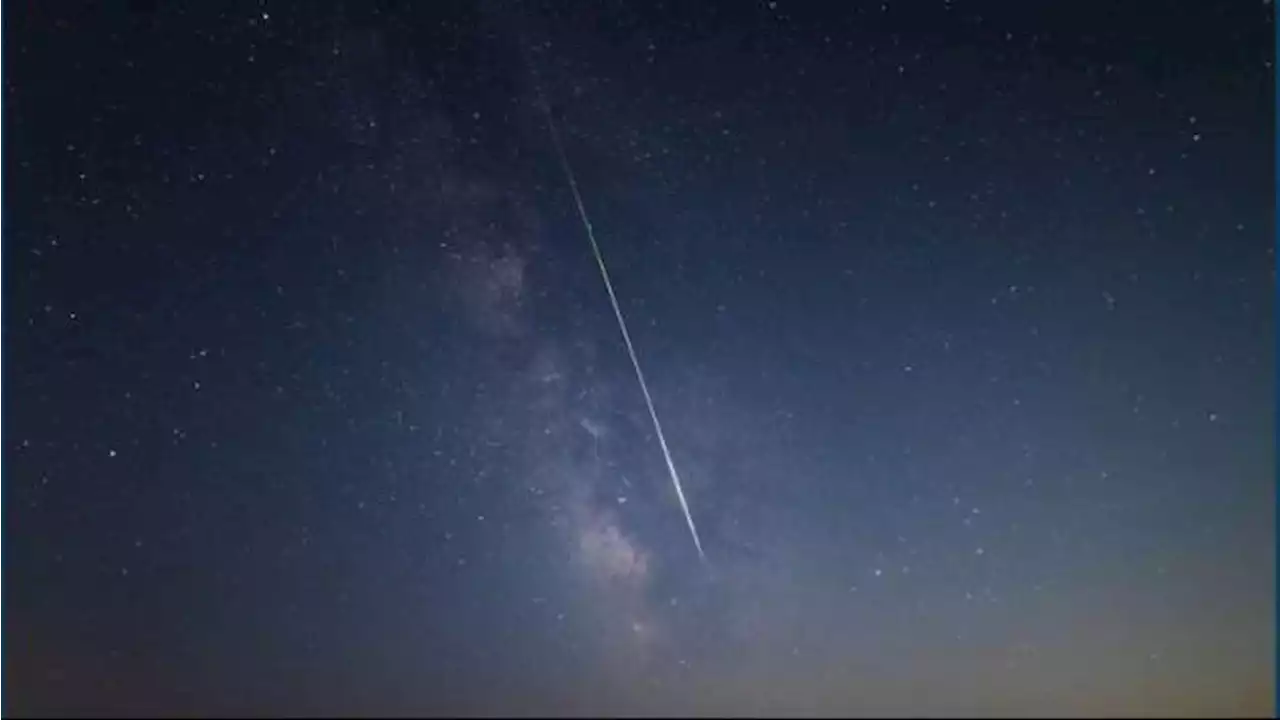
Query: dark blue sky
x,y
958,317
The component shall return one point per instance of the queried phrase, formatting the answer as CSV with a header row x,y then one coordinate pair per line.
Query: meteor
x,y
617,312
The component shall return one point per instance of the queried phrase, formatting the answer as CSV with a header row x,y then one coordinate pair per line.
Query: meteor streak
x,y
617,312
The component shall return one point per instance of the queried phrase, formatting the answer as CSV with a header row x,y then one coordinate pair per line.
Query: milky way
x,y
958,317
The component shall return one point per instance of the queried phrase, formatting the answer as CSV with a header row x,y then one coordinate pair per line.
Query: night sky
x,y
958,318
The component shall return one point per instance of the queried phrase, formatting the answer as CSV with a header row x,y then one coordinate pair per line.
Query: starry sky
x,y
957,316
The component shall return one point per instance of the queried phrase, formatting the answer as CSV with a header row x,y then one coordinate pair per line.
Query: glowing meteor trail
x,y
622,323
